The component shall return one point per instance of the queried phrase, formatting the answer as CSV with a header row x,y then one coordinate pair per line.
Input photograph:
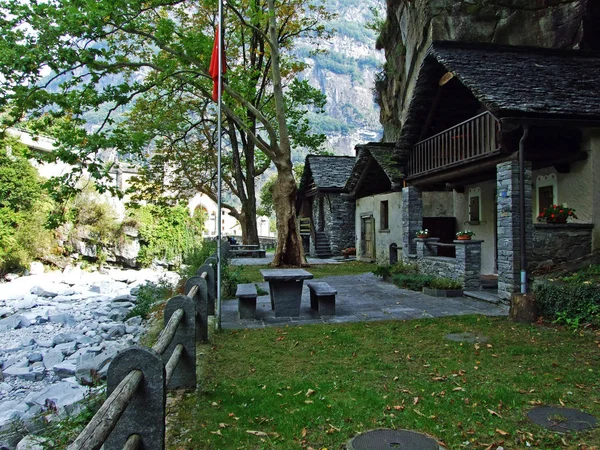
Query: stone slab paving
x,y
361,298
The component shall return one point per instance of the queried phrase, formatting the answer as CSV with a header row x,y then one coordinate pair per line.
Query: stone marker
x,y
393,439
561,419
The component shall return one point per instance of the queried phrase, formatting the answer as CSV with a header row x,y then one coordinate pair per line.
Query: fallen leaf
x,y
415,400
309,392
561,402
494,413
502,432
223,425
308,402
256,433
304,432
218,432
457,389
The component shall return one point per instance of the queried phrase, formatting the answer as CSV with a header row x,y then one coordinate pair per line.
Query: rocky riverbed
x,y
58,333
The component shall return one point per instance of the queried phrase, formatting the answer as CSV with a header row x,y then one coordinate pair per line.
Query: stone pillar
x,y
412,219
509,256
424,250
468,263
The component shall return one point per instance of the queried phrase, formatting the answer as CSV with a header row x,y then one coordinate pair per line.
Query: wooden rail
x,y
133,415
467,141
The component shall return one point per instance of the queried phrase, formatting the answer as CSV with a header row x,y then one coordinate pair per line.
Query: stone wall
x,y
557,244
466,267
339,222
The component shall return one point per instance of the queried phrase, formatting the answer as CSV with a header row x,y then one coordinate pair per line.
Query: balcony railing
x,y
461,143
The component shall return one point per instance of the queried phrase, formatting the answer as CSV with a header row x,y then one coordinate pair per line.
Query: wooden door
x,y
368,237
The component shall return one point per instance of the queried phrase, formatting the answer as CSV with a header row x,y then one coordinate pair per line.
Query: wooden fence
x,y
133,415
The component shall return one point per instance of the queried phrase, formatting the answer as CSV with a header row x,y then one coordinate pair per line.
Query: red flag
x,y
214,64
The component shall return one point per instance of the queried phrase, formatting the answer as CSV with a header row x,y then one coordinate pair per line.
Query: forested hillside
x,y
345,74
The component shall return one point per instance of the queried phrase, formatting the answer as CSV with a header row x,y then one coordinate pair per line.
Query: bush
x,y
400,267
166,233
148,295
571,303
444,283
412,281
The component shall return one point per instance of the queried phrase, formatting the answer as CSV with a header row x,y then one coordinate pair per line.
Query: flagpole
x,y
219,96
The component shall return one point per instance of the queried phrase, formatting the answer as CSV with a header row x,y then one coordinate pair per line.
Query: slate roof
x,y
328,172
510,81
382,152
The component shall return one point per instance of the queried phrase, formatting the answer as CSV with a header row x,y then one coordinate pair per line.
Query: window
x,y
546,191
384,217
475,205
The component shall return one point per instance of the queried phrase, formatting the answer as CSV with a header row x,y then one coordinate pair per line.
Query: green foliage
x,y
149,295
60,433
412,281
573,303
195,256
94,219
387,270
23,208
166,233
444,283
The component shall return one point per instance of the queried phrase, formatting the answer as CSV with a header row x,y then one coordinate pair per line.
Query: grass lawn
x,y
251,274
318,386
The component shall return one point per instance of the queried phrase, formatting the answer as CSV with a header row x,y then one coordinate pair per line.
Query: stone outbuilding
x,y
326,215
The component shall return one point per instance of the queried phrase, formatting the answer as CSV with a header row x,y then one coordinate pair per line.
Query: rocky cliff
x,y
412,25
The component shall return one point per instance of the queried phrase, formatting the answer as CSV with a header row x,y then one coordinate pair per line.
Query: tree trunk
x,y
289,250
249,228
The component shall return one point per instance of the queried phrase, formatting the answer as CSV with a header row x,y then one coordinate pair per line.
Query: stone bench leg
x,y
314,303
247,308
326,305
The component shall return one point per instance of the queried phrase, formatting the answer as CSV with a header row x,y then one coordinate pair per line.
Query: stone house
x,y
484,120
326,215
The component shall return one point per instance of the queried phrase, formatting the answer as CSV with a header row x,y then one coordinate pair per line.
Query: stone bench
x,y
257,253
322,297
246,294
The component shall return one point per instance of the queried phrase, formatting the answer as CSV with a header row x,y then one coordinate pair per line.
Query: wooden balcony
x,y
468,141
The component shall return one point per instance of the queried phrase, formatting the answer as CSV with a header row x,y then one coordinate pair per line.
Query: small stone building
x,y
326,215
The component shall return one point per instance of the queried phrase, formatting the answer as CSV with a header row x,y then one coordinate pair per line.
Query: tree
x,y
158,49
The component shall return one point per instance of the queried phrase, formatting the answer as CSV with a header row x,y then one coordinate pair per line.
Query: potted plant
x,y
423,234
465,235
348,251
556,214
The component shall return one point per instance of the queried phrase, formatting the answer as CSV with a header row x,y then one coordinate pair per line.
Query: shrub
x,y
148,295
413,281
166,233
569,302
444,283
386,270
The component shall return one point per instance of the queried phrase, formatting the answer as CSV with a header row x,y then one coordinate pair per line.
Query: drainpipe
x,y
522,217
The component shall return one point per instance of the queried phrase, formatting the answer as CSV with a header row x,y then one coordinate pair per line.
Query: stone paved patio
x,y
361,298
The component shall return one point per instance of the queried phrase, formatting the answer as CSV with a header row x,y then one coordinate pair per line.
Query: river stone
x,y
44,291
62,395
63,338
53,357
31,442
64,369
36,268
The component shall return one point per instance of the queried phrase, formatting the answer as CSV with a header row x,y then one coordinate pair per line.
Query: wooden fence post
x,y
184,374
145,414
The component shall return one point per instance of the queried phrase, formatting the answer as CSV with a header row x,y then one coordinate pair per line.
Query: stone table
x,y
285,289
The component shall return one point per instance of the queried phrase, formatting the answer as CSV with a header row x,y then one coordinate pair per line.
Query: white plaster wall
x,y
485,229
592,143
437,204
574,189
370,206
